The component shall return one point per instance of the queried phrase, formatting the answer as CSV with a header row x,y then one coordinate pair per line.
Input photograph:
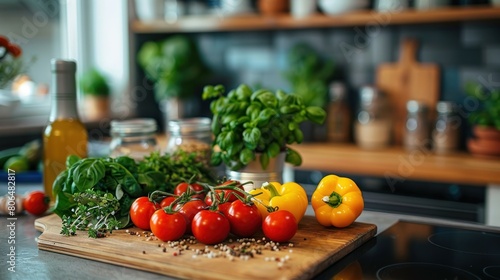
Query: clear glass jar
x,y
135,138
190,135
417,132
373,123
446,133
338,116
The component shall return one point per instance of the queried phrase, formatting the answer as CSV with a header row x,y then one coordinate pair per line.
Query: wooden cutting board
x,y
406,80
314,249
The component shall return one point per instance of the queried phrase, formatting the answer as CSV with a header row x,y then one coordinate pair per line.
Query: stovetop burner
x,y
482,243
492,271
419,271
411,250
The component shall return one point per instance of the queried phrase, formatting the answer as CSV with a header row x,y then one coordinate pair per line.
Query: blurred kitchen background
x,y
249,42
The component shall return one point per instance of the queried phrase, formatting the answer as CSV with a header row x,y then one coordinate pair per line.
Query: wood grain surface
x,y
314,249
406,80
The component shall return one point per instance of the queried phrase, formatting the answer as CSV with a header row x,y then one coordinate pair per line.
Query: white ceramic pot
x,y
430,4
236,6
302,8
391,5
149,10
335,7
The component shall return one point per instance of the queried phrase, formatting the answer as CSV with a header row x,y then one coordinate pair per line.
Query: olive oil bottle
x,y
64,135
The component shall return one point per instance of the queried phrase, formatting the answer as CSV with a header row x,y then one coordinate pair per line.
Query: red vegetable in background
x,y
36,203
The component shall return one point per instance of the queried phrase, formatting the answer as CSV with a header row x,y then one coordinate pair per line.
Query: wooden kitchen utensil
x,y
314,249
406,80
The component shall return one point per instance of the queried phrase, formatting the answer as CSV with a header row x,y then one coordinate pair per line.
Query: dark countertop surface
x,y
32,263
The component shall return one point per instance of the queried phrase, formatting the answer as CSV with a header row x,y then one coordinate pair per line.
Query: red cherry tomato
x,y
190,209
279,226
224,207
210,227
168,226
4,42
193,188
167,201
245,219
36,203
141,211
14,49
229,194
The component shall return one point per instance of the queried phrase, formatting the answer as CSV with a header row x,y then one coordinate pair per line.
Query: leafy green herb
x,y
247,122
114,183
487,113
309,74
94,212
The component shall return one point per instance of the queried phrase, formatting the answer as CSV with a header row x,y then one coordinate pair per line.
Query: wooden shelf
x,y
213,23
399,164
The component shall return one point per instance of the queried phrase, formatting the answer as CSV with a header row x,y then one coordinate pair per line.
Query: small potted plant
x,y
254,128
485,120
309,76
96,91
176,68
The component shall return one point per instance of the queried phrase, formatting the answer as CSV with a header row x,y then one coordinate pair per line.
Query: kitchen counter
x,y
32,263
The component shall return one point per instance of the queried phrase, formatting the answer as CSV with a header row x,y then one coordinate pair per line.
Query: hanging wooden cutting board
x,y
314,249
406,80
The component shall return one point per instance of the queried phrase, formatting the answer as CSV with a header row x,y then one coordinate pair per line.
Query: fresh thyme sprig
x,y
94,212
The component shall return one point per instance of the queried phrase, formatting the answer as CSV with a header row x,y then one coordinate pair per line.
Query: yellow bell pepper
x,y
337,201
290,196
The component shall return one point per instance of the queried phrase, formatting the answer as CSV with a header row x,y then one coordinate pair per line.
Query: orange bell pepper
x,y
337,201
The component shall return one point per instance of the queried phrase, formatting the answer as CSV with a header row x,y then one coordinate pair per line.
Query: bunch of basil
x,y
125,179
247,122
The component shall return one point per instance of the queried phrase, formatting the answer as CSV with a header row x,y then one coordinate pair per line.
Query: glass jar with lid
x,y
373,123
135,138
417,132
338,116
446,133
190,135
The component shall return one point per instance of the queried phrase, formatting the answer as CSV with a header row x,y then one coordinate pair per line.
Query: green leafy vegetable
x,y
95,211
247,122
487,111
114,183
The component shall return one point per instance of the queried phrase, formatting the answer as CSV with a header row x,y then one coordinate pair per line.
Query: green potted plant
x,y
309,76
176,68
253,130
96,92
485,120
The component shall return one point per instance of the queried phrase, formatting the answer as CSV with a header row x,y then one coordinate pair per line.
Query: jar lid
x,y
445,107
337,91
414,106
133,126
371,94
189,125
